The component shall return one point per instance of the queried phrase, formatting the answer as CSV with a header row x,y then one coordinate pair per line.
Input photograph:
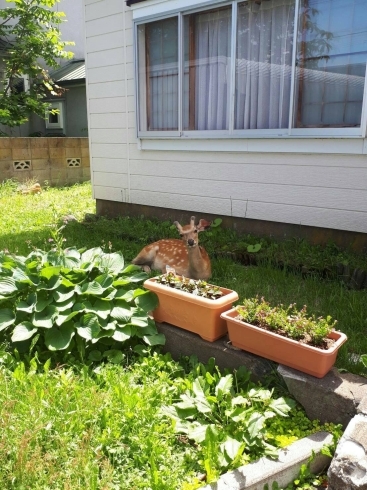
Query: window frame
x,y
60,107
181,8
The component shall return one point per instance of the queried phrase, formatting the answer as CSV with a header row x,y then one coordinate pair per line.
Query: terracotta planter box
x,y
194,313
282,350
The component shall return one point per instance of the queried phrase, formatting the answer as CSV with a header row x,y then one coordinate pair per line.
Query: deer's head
x,y
189,233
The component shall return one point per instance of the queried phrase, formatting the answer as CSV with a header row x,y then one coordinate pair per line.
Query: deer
x,y
185,256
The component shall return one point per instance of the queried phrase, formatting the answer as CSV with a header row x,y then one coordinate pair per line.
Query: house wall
x,y
75,115
325,186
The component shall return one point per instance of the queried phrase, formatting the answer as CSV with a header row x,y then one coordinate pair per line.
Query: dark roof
x,y
71,72
131,2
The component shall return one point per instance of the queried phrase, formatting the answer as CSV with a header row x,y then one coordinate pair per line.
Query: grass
x,y
26,219
68,430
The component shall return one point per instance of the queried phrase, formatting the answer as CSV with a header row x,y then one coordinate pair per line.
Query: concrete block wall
x,y
57,160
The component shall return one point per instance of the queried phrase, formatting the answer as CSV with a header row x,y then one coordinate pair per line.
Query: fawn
x,y
185,256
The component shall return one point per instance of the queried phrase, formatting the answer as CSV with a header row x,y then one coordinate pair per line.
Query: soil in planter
x,y
325,345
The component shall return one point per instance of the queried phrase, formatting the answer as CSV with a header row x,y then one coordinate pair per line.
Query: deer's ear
x,y
203,225
178,226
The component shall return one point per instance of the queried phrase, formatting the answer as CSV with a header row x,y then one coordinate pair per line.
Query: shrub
x,y
79,301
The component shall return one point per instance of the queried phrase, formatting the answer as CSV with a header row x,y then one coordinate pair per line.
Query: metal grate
x,y
73,162
22,164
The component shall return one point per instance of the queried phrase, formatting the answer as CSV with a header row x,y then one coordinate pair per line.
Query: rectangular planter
x,y
282,350
194,313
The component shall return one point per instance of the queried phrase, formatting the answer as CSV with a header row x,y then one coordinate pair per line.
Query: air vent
x,y
73,162
22,164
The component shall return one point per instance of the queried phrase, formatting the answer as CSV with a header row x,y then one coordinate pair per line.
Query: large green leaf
x,y
43,300
113,262
21,276
63,293
232,447
65,316
101,308
59,338
105,280
224,386
50,271
45,318
255,424
7,286
93,288
50,284
91,255
282,406
115,356
139,321
28,306
147,301
158,339
65,305
89,327
23,331
7,318
121,314
121,334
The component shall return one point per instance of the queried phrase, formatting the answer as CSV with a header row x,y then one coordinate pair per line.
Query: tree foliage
x,y
30,30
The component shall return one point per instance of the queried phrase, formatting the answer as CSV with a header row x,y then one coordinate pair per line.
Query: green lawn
x,y
26,220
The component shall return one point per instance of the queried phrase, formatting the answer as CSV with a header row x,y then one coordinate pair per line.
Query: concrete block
x,y
348,469
39,143
21,154
73,152
38,153
284,470
20,143
56,142
335,397
5,143
5,153
180,342
57,153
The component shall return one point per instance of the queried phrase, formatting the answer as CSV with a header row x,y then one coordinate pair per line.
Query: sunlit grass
x,y
25,221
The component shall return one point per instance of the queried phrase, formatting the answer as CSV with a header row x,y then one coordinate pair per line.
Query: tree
x,y
30,31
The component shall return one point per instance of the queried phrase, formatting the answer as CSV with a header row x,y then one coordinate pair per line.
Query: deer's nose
x,y
190,242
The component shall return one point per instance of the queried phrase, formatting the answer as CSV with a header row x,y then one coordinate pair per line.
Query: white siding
x,y
255,178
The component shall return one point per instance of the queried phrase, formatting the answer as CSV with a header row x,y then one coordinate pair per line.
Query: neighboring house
x,y
251,110
72,118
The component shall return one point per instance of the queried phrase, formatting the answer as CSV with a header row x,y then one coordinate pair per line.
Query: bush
x,y
82,302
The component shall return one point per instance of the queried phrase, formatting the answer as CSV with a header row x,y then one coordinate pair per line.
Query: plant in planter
x,y
285,335
191,304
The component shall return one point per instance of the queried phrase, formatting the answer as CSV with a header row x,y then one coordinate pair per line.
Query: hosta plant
x,y
86,301
197,287
288,321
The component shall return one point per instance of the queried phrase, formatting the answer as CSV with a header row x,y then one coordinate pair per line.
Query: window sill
x,y
351,145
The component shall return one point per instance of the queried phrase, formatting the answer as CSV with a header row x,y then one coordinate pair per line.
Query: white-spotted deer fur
x,y
185,256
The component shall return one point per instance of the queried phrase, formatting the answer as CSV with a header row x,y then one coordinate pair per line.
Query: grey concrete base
x,y
348,470
180,342
334,398
283,471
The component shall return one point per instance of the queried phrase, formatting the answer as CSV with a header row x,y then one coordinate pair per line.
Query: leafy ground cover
x,y
27,221
111,426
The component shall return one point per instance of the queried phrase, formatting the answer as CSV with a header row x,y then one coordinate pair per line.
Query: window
x,y
55,119
291,67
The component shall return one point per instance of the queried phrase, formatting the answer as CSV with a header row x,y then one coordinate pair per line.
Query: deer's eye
x,y
195,231
181,235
